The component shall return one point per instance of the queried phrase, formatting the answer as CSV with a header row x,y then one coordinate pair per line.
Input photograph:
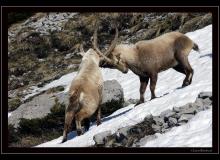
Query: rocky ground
x,y
132,136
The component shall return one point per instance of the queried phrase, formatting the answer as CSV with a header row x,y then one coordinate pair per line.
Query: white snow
x,y
188,135
197,130
9,114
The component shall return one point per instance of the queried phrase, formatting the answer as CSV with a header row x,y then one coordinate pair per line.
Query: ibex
x,y
85,93
147,58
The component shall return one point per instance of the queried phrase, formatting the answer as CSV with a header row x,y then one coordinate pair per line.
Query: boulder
x,y
156,128
204,95
158,120
113,97
101,138
172,121
185,117
37,107
124,131
167,113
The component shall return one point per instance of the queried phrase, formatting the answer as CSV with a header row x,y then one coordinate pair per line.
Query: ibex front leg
x,y
153,82
143,86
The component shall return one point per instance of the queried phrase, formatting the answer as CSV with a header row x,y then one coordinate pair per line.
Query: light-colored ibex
x,y
147,58
85,93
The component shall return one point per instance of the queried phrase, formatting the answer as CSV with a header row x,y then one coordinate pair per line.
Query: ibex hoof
x,y
153,98
138,103
98,123
79,132
185,84
64,140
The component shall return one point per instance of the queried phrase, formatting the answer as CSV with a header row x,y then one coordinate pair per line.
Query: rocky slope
x,y
132,136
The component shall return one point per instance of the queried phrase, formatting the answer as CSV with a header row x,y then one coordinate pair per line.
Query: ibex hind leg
x,y
153,82
98,119
185,68
68,122
87,124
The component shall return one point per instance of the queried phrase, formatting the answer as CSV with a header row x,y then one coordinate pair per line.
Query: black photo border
x,y
73,150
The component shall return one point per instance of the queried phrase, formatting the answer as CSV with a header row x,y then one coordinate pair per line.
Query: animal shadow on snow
x,y
70,136
115,116
73,134
206,55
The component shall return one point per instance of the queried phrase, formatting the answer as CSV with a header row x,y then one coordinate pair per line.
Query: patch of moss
x,y
12,134
110,107
64,41
13,103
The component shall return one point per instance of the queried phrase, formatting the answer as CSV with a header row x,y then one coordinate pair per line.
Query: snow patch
x,y
189,135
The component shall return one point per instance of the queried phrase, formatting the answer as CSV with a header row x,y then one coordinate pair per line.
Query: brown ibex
x,y
147,58
85,93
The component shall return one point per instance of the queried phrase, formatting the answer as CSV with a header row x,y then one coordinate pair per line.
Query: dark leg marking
x,y
143,86
153,82
98,121
87,124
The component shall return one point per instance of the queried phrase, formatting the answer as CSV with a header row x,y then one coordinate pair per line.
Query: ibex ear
x,y
82,52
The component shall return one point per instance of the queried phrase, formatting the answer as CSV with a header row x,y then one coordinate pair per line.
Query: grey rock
x,y
167,113
38,107
163,130
124,131
205,95
207,101
113,97
158,120
177,115
191,109
185,117
172,121
185,107
165,126
156,128
198,102
112,90
101,138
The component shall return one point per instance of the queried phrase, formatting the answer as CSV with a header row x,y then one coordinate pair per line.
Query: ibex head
x,y
107,57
